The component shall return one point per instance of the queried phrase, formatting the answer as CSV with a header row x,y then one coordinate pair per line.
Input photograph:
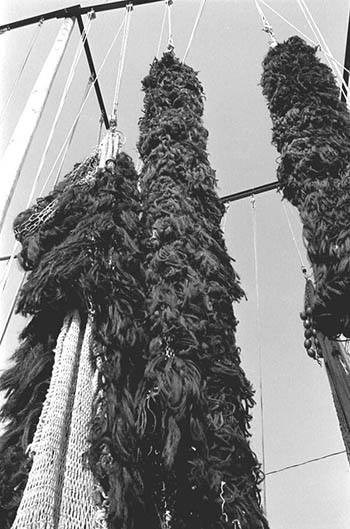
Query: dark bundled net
x,y
194,401
311,130
84,256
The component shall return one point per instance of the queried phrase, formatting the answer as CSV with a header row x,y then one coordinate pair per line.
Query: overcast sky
x,y
299,418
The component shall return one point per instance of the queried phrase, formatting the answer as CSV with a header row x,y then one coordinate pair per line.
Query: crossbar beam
x,y
249,192
93,74
73,11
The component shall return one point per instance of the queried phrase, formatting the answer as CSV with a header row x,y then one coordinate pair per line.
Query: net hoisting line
x,y
321,37
66,89
64,155
266,25
194,29
258,324
162,28
15,84
171,45
67,86
85,100
306,37
302,265
114,138
323,45
11,309
129,9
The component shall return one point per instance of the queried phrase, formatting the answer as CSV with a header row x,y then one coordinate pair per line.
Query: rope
x,y
12,309
258,322
162,28
323,40
84,102
15,84
99,137
303,267
322,43
306,37
305,462
63,159
6,274
266,26
67,86
122,58
169,3
199,14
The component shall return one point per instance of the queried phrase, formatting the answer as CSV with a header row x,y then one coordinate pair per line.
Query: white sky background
x,y
300,422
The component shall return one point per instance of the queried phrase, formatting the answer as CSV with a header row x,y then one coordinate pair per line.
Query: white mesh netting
x,y
59,492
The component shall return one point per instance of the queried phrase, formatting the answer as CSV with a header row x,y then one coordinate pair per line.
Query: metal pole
x,y
14,156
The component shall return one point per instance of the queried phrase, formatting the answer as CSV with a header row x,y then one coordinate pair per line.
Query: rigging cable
x,y
199,14
323,44
12,308
322,39
162,28
126,31
84,102
303,267
301,33
315,460
15,84
64,155
258,323
47,146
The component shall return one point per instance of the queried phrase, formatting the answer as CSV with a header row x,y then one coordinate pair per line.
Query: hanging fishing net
x,y
311,130
194,400
80,247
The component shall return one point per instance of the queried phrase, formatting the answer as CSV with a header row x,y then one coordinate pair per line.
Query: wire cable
x,y
306,37
258,324
71,136
303,267
15,84
323,45
169,3
84,102
321,37
12,309
162,29
122,59
303,463
194,29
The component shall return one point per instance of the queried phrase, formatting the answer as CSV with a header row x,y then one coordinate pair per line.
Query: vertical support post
x,y
16,151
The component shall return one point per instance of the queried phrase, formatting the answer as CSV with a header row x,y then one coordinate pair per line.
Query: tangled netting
x,y
193,403
85,256
311,130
